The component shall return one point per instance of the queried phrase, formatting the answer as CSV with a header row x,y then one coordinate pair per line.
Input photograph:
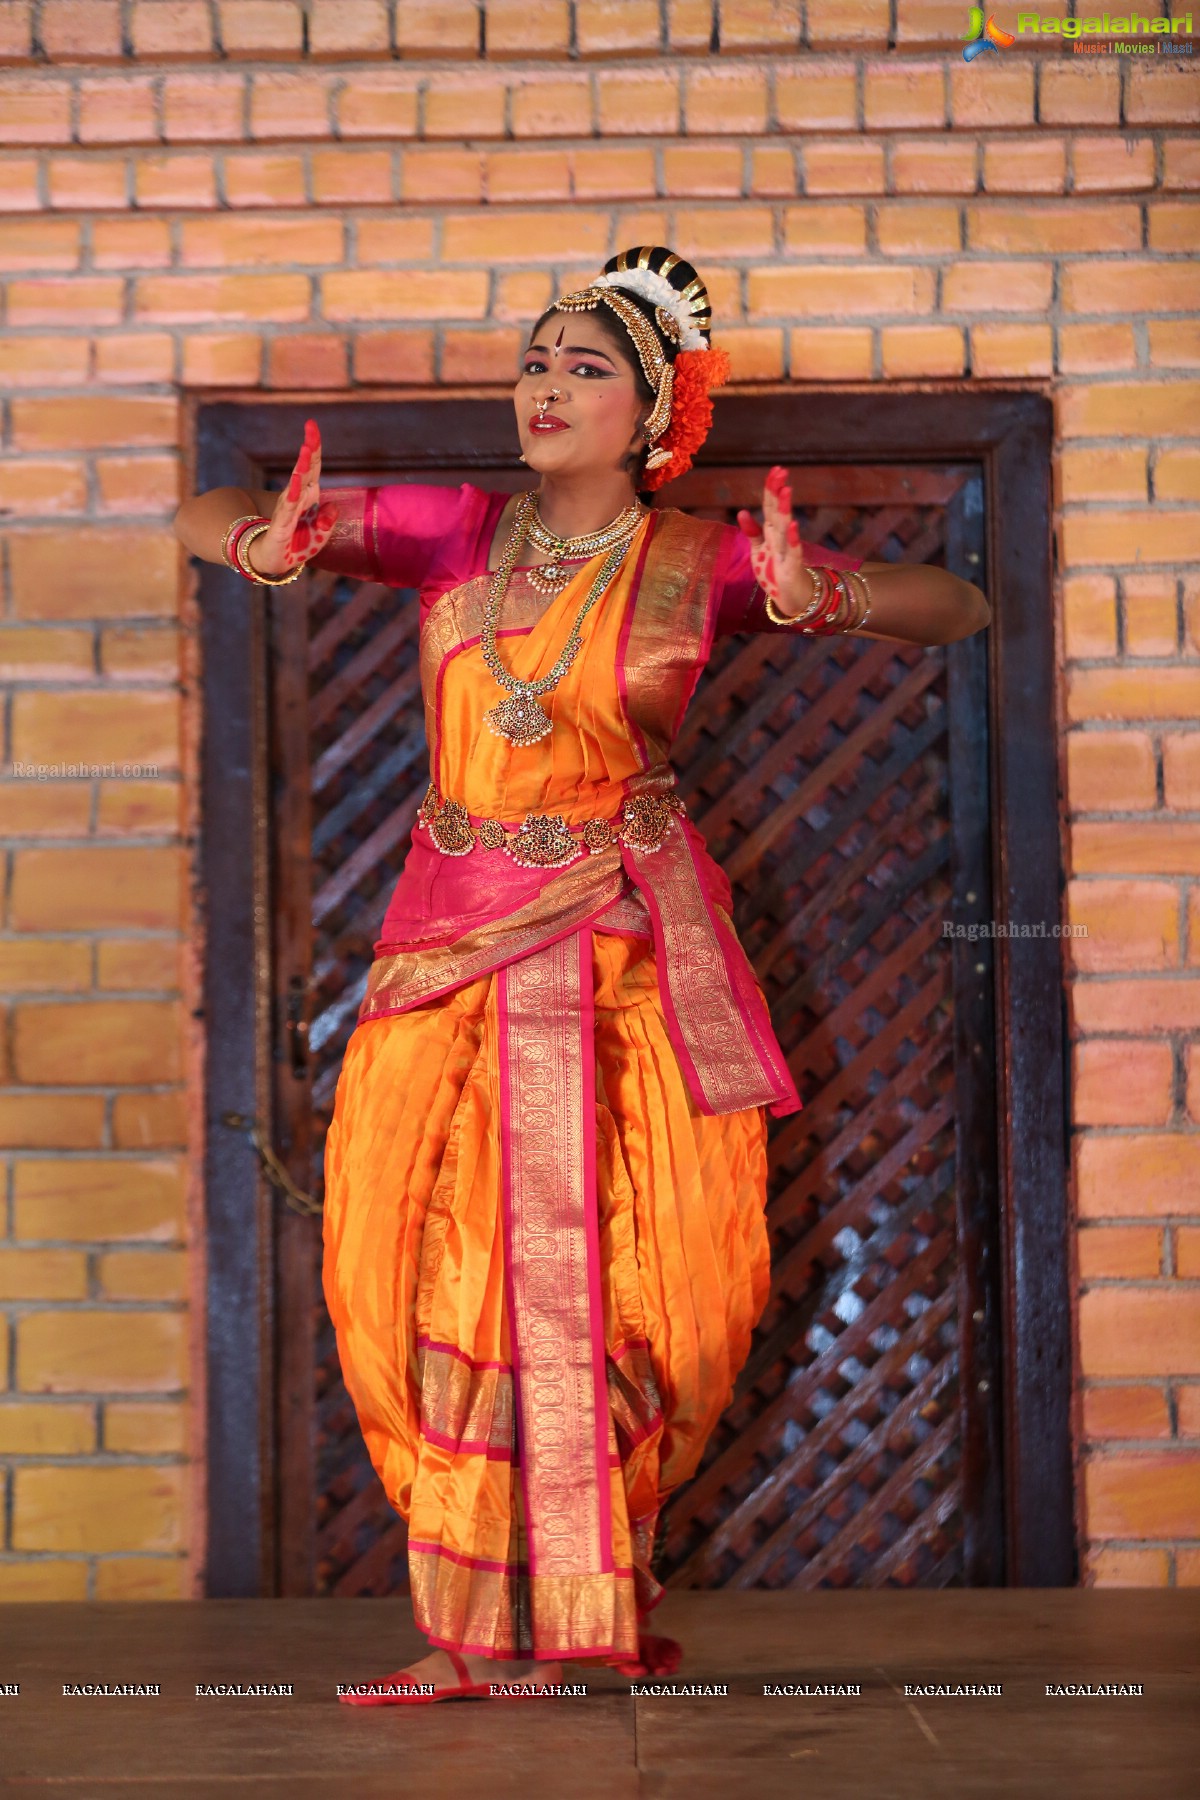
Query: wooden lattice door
x,y
843,785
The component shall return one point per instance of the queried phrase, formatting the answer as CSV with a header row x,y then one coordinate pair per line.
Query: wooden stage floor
x,y
879,1744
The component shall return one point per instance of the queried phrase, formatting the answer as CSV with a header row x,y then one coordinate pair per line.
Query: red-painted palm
x,y
775,553
301,522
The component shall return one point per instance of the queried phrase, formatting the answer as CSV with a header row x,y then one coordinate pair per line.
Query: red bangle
x,y
234,538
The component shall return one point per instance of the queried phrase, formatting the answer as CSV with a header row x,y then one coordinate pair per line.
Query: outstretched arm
x,y
301,521
912,601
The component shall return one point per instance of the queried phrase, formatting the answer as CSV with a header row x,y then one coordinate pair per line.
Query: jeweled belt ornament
x,y
546,840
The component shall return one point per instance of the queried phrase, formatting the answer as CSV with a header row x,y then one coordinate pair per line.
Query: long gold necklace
x,y
519,718
551,577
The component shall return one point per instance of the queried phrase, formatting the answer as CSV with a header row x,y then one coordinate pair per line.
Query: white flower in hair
x,y
655,287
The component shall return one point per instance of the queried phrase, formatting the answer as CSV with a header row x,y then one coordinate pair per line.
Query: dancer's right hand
x,y
302,522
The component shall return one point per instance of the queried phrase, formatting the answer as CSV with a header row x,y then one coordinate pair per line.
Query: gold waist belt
x,y
546,840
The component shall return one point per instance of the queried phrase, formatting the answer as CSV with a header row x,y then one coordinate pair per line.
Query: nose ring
x,y
543,404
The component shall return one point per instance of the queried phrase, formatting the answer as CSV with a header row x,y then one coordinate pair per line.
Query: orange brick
x,y
527,175
838,354
46,1428
1126,1252
724,99
294,106
627,27
992,97
1181,770
138,964
393,356
842,292
757,355
42,964
124,1042
1177,474
934,166
102,1352
142,1274
91,422
142,1578
1011,350
1140,1331
648,225
87,182
1150,1175
80,300
758,24
118,110
908,228
176,179
51,1122
773,170
1110,771
44,1275
816,228
1166,96
1134,693
1151,615
1136,847
45,653
521,298
489,355
37,112
1187,1268
904,96
1054,226
222,359
43,361
1094,286
149,1121
1156,1004
1096,349
1191,1060
42,486
212,243
261,28
409,293
516,29
1129,924
1114,472
19,184
138,483
609,172
40,244
1079,90
134,728
470,107
1125,1412
341,29
124,1507
1109,1567
1174,225
206,299
713,231
1139,408
641,102
81,30
1191,611
1112,165
94,1199
45,574
360,177
394,240
517,237
997,287
96,889
909,350
204,107
1174,343
265,178
1025,165
45,808
437,28
179,32
307,360
1151,535
848,22
1181,163
822,98
132,808
143,1427
131,244
16,31
711,170
853,167
1121,1083
442,175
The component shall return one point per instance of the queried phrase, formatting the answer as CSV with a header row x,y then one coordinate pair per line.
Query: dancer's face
x,y
599,410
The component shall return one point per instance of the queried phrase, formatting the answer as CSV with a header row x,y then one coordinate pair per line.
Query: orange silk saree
x,y
545,1245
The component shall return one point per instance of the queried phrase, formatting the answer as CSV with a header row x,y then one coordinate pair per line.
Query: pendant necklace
x,y
519,718
551,577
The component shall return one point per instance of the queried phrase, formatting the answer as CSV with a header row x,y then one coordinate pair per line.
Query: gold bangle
x,y
244,543
246,519
863,610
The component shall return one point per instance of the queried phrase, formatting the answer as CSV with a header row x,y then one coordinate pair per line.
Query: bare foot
x,y
438,1668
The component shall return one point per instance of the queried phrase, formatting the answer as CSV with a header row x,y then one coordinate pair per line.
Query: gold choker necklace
x,y
550,577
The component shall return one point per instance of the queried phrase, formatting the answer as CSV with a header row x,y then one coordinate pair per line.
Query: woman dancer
x,y
545,1243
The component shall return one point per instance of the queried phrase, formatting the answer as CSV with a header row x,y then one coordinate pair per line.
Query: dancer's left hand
x,y
775,553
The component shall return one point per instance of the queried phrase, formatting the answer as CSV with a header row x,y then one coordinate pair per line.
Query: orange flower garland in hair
x,y
697,374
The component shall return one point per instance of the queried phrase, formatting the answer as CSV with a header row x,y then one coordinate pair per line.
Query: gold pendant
x,y
519,719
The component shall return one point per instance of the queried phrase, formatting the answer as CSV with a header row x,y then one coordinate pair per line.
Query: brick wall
x,y
346,194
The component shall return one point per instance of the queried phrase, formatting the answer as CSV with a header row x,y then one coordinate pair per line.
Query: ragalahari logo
x,y
983,37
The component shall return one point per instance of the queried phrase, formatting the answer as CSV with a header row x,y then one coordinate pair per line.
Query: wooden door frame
x,y
1010,434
